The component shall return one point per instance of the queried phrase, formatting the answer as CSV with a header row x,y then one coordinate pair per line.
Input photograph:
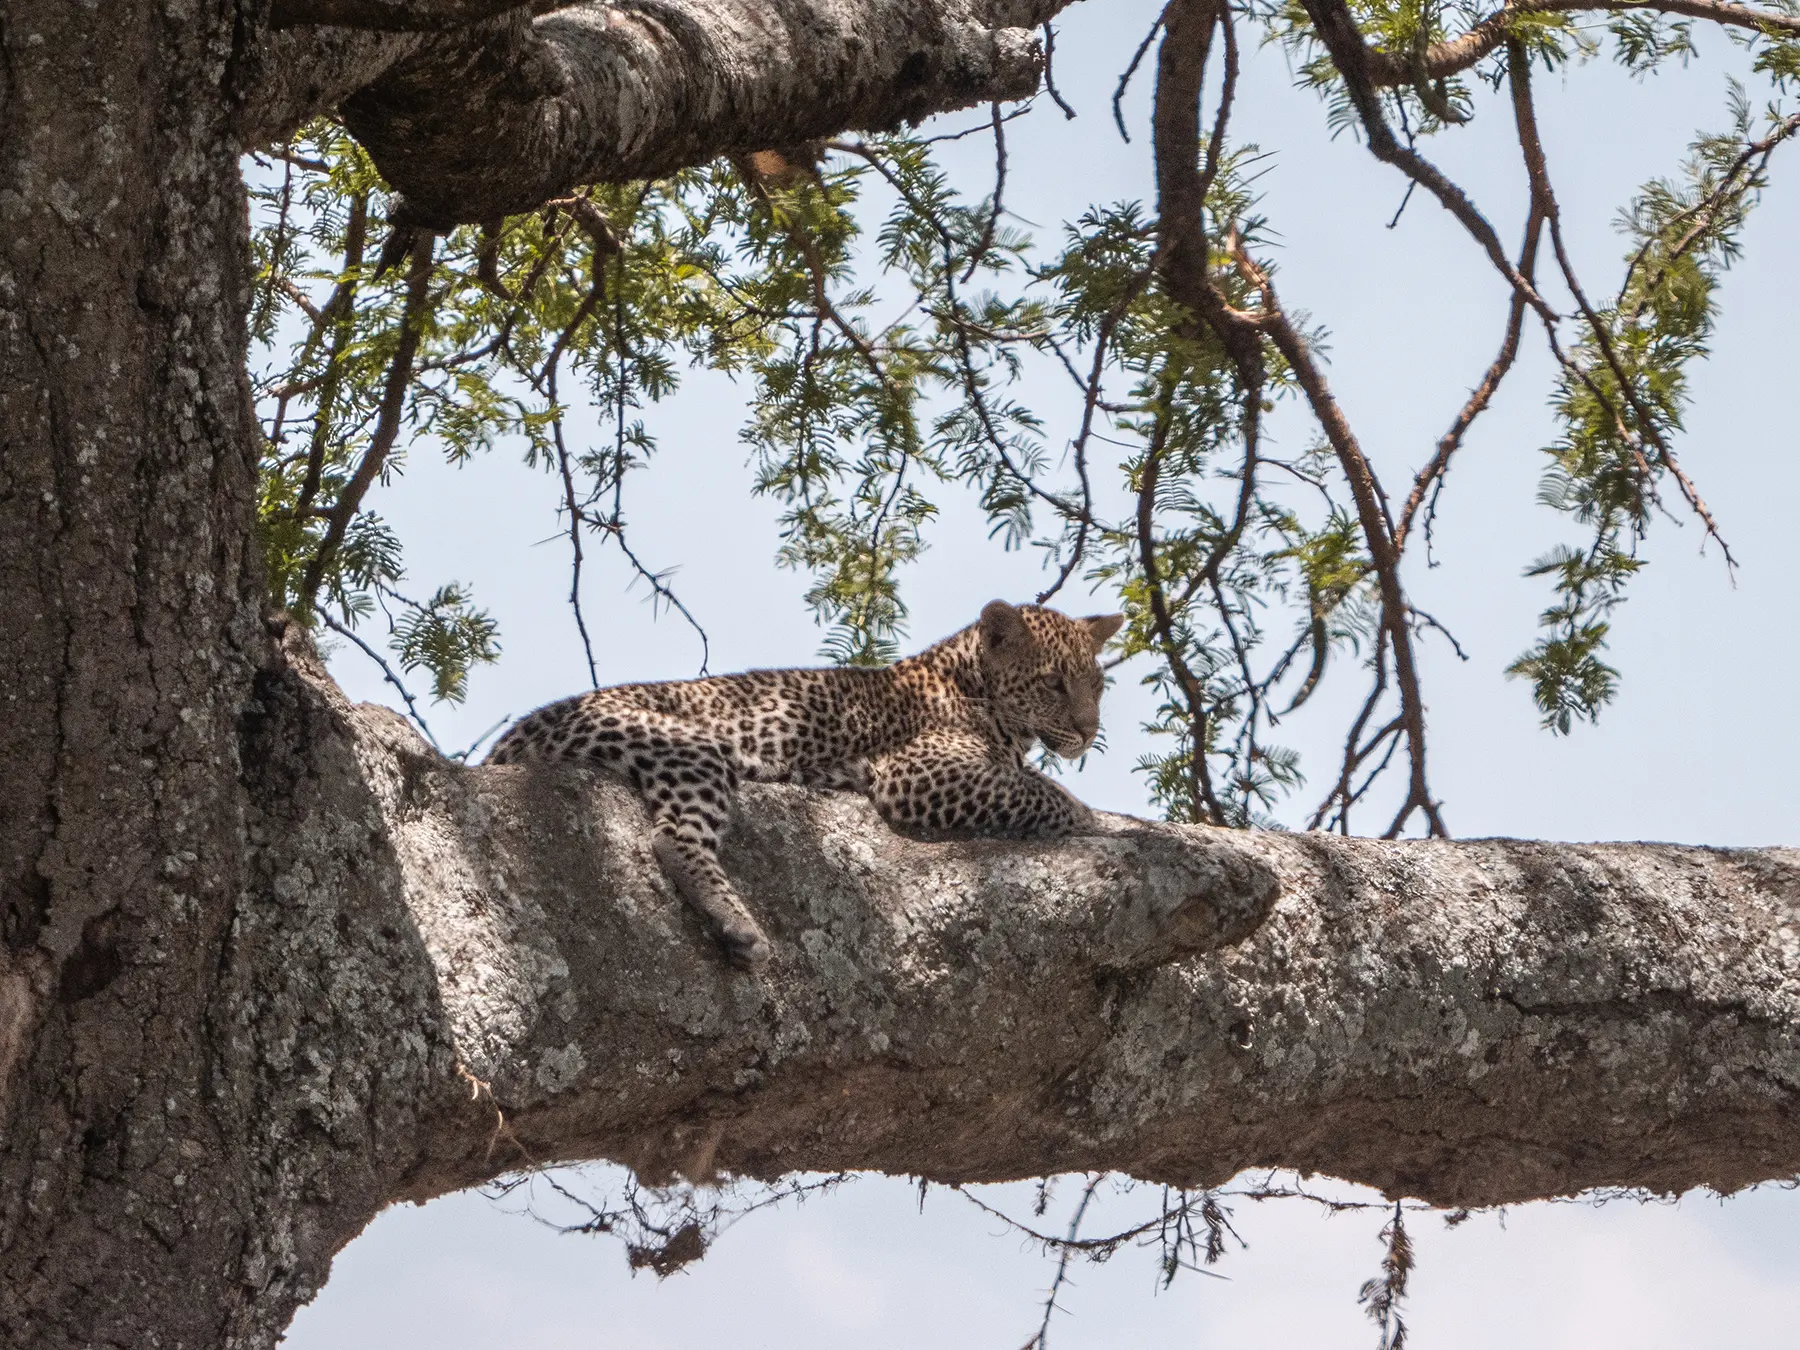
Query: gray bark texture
x,y
478,122
267,964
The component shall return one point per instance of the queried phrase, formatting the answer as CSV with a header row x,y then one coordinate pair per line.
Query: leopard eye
x,y
1055,683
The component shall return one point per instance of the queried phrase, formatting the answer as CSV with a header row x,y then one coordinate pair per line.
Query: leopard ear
x,y
1102,626
1003,628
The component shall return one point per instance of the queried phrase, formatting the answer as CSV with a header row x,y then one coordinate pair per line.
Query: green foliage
x,y
1620,400
445,636
1646,39
886,330
1568,678
1777,53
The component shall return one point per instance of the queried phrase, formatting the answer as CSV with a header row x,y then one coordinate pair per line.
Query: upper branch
x,y
1461,52
1351,54
396,16
498,117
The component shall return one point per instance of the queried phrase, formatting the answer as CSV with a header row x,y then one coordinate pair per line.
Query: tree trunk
x,y
269,964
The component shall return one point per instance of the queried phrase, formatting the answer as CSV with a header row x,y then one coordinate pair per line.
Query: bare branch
x,y
986,242
1378,532
1351,55
1050,72
387,426
572,506
387,673
1137,59
1065,1252
1430,478
1091,389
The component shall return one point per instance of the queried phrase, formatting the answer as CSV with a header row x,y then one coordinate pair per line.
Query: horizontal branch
x,y
1459,53
499,117
391,16
1470,1023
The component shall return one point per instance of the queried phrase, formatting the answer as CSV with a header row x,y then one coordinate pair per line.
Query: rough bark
x,y
268,965
1470,1023
126,475
496,117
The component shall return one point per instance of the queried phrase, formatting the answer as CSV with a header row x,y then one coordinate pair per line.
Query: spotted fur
x,y
936,741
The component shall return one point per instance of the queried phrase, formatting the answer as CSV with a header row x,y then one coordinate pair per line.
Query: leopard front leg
x,y
950,781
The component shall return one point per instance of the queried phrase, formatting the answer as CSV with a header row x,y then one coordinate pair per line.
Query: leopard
x,y
937,741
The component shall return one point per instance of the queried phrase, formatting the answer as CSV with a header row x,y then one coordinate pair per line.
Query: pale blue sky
x,y
1702,746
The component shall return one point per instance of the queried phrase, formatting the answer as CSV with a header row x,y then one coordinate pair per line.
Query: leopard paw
x,y
746,947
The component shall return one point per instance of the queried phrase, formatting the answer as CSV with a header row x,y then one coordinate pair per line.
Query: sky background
x,y
1702,746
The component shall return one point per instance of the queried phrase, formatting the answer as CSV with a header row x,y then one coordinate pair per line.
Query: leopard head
x,y
1041,674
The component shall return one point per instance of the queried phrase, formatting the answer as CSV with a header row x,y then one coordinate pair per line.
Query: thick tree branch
x,y
1468,1023
394,16
496,118
268,963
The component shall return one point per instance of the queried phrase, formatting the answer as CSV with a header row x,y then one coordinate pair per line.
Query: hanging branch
x,y
986,242
1183,265
1091,388
338,313
1378,531
1137,59
573,507
1041,1341
387,674
1705,212
1381,1298
960,326
1350,54
1430,478
1049,31
1193,693
387,427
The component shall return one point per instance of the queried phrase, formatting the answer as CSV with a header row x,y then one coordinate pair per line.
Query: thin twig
x,y
1137,59
1163,621
387,673
576,518
340,312
1351,55
1091,388
1050,72
1041,1341
1431,476
992,224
